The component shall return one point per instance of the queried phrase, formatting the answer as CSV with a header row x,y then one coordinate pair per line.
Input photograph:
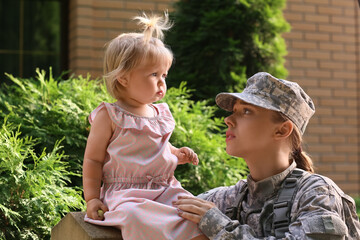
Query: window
x,y
32,35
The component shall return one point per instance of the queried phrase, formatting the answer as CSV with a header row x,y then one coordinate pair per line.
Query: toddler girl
x,y
128,147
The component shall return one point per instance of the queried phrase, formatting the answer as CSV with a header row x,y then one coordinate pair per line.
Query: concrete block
x,y
73,227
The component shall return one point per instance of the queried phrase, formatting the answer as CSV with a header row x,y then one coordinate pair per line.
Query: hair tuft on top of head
x,y
154,25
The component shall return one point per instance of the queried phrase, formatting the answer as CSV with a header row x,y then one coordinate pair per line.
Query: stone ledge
x,y
73,227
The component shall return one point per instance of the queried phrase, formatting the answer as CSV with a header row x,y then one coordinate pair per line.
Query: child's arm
x,y
184,155
95,152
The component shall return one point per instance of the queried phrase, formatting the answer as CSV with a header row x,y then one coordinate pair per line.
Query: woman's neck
x,y
266,165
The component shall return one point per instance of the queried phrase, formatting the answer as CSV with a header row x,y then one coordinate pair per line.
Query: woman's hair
x,y
128,50
303,161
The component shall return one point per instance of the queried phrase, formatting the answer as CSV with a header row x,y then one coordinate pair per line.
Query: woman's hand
x,y
192,208
92,208
187,155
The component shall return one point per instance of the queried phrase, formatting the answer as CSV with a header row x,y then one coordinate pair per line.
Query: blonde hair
x,y
302,159
128,50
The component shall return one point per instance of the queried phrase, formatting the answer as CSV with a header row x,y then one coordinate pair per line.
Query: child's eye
x,y
164,76
154,74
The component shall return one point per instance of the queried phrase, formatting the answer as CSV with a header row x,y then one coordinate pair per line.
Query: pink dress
x,y
138,177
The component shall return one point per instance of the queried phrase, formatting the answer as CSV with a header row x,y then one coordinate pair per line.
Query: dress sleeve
x,y
318,212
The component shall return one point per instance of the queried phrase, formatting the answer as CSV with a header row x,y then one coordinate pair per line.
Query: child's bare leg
x,y
201,237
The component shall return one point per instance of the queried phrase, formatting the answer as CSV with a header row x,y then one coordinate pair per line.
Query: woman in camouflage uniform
x,y
281,198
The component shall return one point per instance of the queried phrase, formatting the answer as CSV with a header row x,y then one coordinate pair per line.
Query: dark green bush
x,y
49,110
34,195
219,43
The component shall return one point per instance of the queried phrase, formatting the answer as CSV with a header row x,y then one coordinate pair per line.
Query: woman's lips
x,y
229,136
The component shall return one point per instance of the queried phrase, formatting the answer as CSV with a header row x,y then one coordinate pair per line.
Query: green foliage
x,y
357,203
49,110
218,44
34,195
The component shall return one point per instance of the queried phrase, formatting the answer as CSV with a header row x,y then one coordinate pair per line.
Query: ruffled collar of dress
x,y
161,124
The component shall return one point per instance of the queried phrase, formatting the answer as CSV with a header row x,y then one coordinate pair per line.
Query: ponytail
x,y
154,26
303,161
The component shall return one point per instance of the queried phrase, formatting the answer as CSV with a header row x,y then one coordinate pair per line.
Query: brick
x,y
329,10
332,120
345,75
304,63
315,18
304,27
342,20
295,54
344,38
348,93
321,148
320,129
163,7
318,2
330,28
294,35
351,57
331,65
317,36
292,17
141,6
122,14
318,73
345,130
108,4
331,102
303,8
333,139
331,46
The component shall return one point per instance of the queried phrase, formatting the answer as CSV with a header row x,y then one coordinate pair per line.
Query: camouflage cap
x,y
266,91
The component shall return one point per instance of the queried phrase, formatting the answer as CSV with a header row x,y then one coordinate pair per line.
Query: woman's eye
x,y
246,111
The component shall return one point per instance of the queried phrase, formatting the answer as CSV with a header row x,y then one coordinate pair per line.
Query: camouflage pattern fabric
x,y
264,90
320,210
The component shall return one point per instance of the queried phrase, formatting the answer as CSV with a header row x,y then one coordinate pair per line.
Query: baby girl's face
x,y
146,83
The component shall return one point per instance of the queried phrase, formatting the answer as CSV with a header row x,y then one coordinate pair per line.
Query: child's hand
x,y
95,209
187,155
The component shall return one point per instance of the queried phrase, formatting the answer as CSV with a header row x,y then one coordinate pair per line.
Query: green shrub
x,y
49,110
219,43
34,195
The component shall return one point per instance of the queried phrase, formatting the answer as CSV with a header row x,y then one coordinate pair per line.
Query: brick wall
x,y
323,57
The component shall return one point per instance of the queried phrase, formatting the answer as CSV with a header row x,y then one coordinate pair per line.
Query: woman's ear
x,y
123,80
284,130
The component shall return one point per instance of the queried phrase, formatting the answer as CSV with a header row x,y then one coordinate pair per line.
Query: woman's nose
x,y
228,121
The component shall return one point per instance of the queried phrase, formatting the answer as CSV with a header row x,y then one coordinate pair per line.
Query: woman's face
x,y
251,130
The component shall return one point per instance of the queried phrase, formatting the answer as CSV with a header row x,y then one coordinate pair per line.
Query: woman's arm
x,y
94,156
318,212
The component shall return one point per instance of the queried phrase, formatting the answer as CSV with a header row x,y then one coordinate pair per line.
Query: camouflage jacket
x,y
320,210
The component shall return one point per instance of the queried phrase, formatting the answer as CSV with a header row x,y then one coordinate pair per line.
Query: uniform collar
x,y
268,186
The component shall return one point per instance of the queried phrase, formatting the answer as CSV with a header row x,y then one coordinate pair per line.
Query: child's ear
x,y
284,129
123,81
